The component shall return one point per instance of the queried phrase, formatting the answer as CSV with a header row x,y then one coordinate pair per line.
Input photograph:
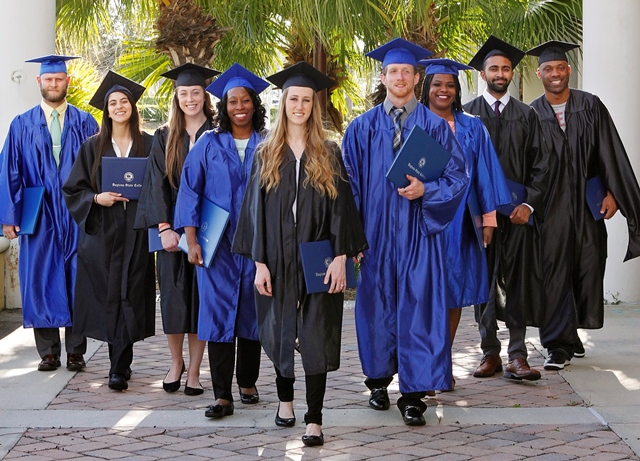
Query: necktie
x,y
496,110
397,128
56,135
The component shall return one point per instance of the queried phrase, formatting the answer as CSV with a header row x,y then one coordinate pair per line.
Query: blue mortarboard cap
x,y
235,76
302,74
443,66
190,74
552,50
399,51
53,63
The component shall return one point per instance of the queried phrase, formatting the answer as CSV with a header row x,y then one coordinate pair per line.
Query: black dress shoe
x,y
49,362
174,385
313,440
219,411
75,362
412,416
127,374
192,390
284,422
250,399
118,382
379,399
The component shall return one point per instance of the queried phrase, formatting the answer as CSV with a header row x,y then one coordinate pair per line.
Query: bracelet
x,y
95,199
165,229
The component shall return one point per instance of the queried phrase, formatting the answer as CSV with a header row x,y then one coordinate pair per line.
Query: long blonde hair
x,y
320,167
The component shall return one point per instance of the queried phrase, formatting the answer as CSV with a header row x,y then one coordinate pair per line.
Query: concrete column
x,y
27,30
611,46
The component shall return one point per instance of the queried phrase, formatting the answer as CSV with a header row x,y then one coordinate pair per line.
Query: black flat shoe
x,y
127,374
219,411
192,390
250,399
118,382
284,422
412,416
379,399
175,385
313,440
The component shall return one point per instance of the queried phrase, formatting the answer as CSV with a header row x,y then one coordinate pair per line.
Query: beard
x,y
53,96
498,87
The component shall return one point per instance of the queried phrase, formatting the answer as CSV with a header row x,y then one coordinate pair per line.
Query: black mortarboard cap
x,y
552,50
190,75
111,83
496,47
53,63
301,74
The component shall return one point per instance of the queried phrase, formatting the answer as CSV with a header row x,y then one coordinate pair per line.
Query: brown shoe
x,y
49,363
75,362
519,369
489,366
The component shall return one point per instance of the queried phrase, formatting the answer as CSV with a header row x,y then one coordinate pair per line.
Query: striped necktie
x,y
56,135
397,127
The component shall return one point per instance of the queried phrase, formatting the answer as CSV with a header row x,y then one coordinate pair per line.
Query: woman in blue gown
x,y
218,168
465,238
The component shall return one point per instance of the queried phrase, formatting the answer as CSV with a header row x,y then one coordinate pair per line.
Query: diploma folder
x,y
517,191
473,205
316,257
155,242
213,222
123,175
420,156
31,206
596,192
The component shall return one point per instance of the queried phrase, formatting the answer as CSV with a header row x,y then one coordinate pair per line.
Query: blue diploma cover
x,y
473,205
420,156
517,198
155,242
123,175
596,192
31,205
213,222
316,257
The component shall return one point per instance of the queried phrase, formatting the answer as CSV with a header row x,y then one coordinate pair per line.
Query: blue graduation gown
x,y
401,315
467,274
213,169
47,266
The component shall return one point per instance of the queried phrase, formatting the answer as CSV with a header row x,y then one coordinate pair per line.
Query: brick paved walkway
x,y
484,419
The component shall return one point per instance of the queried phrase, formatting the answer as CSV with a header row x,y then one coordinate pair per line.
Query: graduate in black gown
x,y
584,143
115,280
299,192
191,115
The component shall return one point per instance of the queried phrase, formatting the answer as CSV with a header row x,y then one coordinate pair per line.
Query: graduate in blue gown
x,y
48,257
467,274
401,311
218,167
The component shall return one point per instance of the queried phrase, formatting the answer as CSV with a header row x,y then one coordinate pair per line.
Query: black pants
x,y
406,399
222,358
48,341
316,386
120,349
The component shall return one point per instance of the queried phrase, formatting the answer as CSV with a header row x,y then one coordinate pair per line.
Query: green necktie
x,y
56,135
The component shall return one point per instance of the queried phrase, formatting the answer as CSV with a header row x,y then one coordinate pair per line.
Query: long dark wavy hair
x,y
457,102
222,122
103,138
174,155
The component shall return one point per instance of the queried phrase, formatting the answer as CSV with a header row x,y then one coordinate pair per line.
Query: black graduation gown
x,y
267,233
176,276
115,269
514,254
575,244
